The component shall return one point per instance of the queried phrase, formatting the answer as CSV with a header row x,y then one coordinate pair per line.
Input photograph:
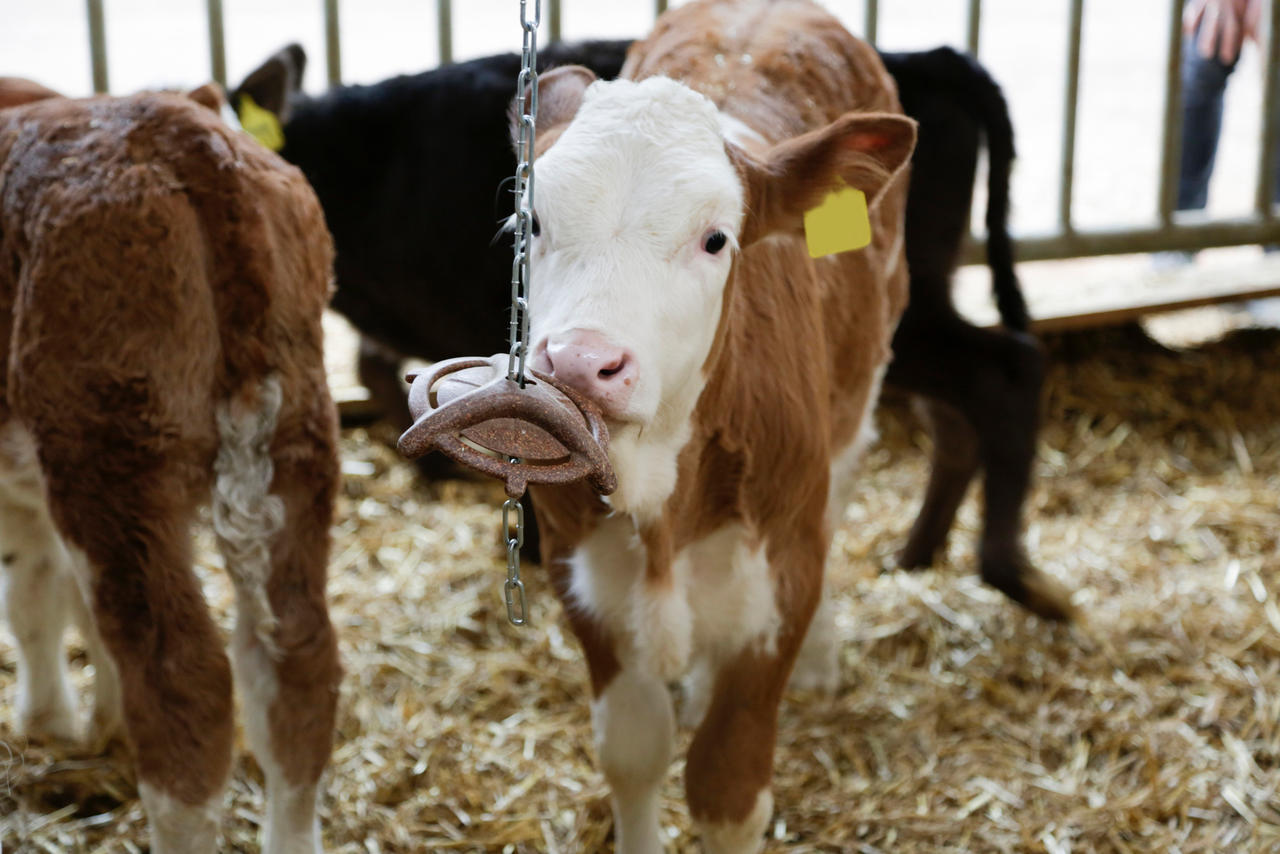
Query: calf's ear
x,y
560,93
15,91
209,96
272,82
866,151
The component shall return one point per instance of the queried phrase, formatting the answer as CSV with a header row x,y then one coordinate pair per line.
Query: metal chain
x,y
513,589
527,108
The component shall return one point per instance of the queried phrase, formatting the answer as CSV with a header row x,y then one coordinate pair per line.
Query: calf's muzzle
x,y
592,365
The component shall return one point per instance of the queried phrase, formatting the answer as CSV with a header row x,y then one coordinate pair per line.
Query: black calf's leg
x,y
1005,414
955,460
378,368
992,378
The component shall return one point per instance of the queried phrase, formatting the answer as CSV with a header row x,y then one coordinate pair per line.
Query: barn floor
x,y
962,725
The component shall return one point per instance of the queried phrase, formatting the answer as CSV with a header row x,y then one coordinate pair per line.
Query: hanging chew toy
x,y
493,417
543,432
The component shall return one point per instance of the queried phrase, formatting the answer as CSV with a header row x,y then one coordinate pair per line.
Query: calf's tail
x,y
993,111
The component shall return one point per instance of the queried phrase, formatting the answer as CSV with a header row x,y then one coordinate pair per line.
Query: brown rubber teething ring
x,y
556,435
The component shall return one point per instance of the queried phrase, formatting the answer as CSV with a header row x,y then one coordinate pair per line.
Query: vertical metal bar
x,y
975,24
217,42
98,45
871,21
553,20
1070,102
1171,154
1270,115
332,42
444,25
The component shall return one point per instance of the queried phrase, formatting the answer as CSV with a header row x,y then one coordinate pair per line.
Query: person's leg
x,y
1204,81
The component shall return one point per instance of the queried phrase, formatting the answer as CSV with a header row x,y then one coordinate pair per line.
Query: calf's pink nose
x,y
589,363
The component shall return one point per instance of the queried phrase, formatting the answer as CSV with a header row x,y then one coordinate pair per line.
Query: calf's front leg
x,y
635,731
632,718
730,762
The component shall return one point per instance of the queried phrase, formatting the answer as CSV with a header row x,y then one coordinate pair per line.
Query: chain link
x,y
513,589
527,109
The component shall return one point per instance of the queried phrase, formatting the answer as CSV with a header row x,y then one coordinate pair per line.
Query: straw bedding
x,y
962,723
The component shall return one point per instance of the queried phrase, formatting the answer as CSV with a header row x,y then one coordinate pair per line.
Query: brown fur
x,y
797,350
153,265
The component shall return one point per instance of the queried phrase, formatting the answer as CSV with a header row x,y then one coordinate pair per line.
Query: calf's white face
x,y
639,209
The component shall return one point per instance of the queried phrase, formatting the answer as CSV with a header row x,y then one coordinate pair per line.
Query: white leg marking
x,y
733,593
722,597
608,582
38,590
635,734
817,666
662,625
107,720
245,516
178,828
291,824
695,692
605,570
744,838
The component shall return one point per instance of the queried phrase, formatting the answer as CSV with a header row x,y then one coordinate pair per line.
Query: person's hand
x,y
1224,25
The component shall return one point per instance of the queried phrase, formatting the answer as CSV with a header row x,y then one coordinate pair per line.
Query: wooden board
x,y
1102,291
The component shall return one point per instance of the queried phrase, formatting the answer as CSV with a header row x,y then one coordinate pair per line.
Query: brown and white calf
x,y
736,373
162,279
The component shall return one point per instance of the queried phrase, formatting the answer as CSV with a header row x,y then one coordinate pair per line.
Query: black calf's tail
x,y
994,112
946,74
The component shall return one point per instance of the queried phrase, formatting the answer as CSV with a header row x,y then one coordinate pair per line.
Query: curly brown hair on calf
x,y
162,280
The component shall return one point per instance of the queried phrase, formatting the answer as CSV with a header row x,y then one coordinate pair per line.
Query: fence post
x,y
444,26
98,45
1171,152
553,20
332,42
1070,102
217,42
974,25
1270,93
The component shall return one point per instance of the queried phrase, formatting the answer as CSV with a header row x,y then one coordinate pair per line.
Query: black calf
x,y
981,387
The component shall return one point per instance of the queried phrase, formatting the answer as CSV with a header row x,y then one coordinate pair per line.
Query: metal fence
x,y
1167,231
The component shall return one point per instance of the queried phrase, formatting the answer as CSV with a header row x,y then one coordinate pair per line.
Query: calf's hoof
x,y
105,728
915,557
1032,589
815,676
55,725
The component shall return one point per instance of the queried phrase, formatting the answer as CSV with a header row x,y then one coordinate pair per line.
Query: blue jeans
x,y
1204,82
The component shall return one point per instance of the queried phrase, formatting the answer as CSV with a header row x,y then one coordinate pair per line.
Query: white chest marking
x,y
722,597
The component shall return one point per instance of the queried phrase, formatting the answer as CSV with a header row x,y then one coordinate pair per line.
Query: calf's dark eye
x,y
714,242
537,227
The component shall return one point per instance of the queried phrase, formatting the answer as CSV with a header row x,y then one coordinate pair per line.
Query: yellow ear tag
x,y
839,224
261,124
